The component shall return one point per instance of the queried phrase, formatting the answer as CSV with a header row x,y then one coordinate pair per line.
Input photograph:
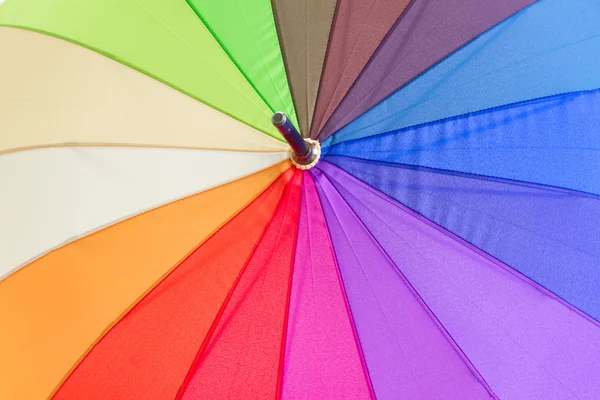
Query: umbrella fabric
x,y
105,283
359,28
196,66
156,243
209,270
524,341
498,68
321,331
248,35
426,33
304,29
128,109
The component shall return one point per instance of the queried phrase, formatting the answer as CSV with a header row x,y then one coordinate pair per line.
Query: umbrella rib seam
x,y
421,301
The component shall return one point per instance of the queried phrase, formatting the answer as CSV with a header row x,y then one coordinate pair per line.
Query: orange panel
x,y
148,353
54,309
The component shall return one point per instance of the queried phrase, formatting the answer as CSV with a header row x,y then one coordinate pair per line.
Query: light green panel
x,y
163,39
246,30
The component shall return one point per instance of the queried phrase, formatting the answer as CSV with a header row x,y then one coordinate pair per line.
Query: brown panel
x,y
424,35
359,27
303,27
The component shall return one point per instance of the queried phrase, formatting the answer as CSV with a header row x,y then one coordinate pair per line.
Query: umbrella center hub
x,y
310,159
304,152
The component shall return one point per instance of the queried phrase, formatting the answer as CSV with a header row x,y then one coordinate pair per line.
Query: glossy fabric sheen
x,y
407,352
246,31
163,39
526,343
148,353
322,356
45,332
554,141
425,34
241,356
359,27
561,54
561,227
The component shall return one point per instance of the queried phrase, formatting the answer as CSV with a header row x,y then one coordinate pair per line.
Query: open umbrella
x,y
433,234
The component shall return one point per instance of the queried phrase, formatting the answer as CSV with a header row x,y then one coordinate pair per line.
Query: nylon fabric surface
x,y
255,340
45,332
561,227
425,34
303,28
552,141
53,196
164,40
359,27
526,343
80,97
154,243
322,357
549,48
246,30
147,354
407,352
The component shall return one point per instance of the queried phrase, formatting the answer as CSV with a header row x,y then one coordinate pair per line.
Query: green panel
x,y
246,30
163,39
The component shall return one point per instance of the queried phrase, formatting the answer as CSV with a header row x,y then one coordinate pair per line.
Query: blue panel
x,y
549,48
553,141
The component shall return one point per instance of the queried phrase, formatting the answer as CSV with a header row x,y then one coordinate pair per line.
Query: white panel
x,y
51,196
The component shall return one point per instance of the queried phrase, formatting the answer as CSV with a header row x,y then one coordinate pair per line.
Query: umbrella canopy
x,y
432,230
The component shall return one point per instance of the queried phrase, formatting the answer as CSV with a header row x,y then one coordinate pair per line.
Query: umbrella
x,y
351,199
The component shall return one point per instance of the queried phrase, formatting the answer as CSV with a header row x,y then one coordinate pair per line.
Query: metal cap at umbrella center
x,y
304,152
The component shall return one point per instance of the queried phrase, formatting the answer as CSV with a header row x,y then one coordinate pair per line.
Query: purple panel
x,y
526,343
427,32
560,227
408,354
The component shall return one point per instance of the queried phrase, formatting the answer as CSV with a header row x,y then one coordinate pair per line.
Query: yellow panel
x,y
55,93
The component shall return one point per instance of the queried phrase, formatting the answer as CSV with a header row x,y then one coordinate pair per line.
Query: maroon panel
x,y
427,32
358,29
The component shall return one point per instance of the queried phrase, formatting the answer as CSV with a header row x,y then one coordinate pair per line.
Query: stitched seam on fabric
x,y
212,330
367,278
347,307
147,292
488,256
342,122
280,372
514,182
345,67
109,224
142,71
418,297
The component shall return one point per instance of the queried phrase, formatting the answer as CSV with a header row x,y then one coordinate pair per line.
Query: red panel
x,y
242,358
149,352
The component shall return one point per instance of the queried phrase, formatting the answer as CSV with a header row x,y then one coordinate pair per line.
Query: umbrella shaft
x,y
290,134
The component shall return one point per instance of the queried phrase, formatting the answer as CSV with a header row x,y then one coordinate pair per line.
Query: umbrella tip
x,y
304,152
278,119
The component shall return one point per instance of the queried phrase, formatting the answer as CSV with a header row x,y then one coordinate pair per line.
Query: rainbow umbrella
x,y
434,234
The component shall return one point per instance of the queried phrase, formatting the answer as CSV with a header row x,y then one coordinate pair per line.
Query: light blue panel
x,y
549,48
